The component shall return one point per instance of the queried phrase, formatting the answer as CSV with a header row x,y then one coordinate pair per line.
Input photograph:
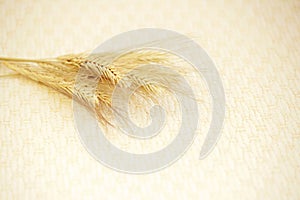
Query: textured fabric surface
x,y
255,46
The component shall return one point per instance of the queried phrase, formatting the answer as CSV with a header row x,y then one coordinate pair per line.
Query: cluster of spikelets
x,y
73,75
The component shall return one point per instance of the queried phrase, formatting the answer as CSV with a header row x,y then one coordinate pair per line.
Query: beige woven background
x,y
255,46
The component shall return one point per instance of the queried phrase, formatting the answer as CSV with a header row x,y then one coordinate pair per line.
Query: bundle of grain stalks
x,y
106,71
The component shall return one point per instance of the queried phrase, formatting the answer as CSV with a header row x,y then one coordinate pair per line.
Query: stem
x,y
16,59
24,60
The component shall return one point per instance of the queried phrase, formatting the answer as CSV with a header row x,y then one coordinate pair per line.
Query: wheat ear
x,y
60,74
